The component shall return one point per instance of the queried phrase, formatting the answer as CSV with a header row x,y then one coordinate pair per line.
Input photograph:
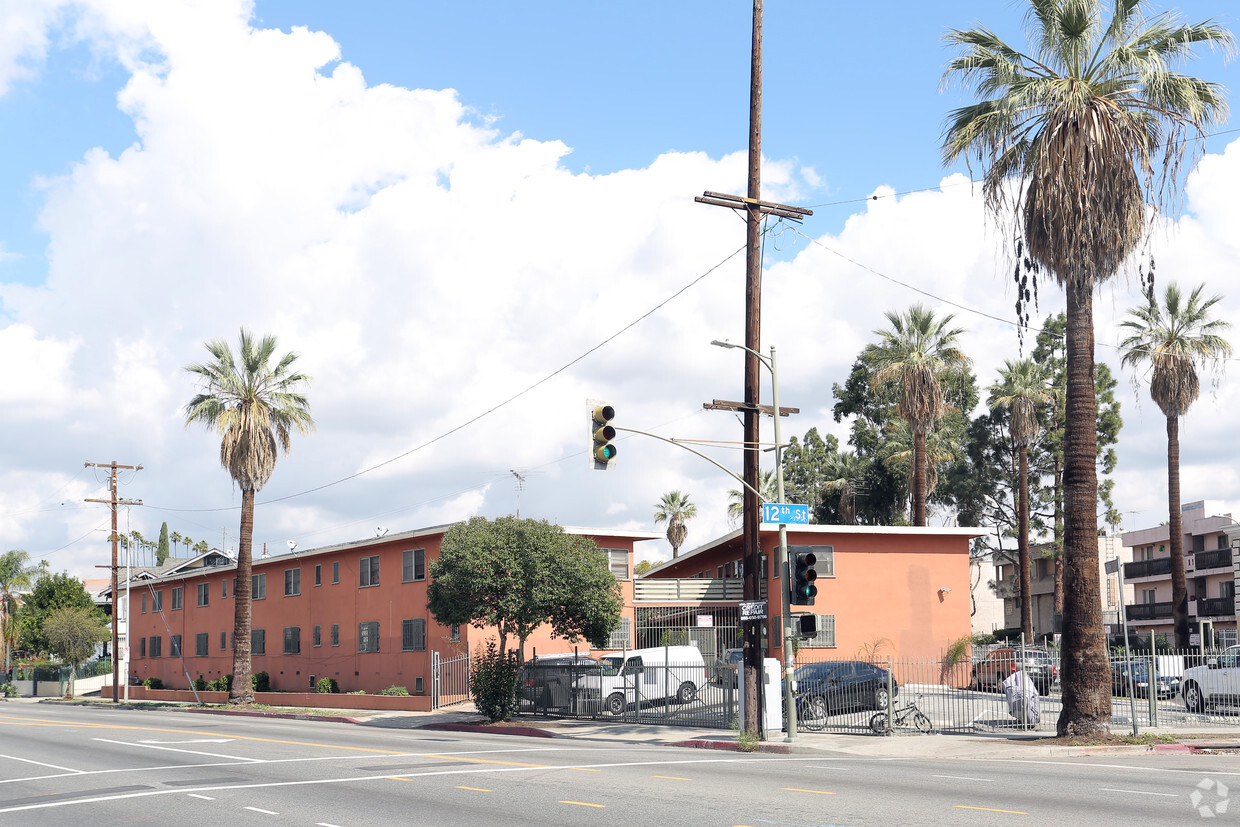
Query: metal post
x,y
785,579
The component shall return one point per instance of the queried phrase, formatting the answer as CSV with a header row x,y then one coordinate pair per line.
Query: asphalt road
x,y
97,765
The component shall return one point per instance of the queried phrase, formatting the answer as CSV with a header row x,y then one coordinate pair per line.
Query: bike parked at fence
x,y
908,715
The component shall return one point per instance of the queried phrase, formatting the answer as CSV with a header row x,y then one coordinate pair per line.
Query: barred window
x,y
413,635
292,640
826,560
413,565
202,643
335,634
368,636
258,641
622,636
825,639
318,635
368,571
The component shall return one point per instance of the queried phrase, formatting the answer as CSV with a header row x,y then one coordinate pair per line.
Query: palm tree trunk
x,y
1022,545
1059,572
1086,670
242,691
1179,581
919,478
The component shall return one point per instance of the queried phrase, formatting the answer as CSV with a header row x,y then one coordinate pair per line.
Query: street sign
x,y
1111,566
785,513
753,610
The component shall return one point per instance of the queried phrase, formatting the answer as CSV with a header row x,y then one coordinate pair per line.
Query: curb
x,y
731,746
531,732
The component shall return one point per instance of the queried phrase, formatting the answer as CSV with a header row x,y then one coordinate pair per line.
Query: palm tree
x,y
175,537
766,493
912,354
16,574
1173,338
1075,137
253,405
675,508
1023,388
898,451
844,472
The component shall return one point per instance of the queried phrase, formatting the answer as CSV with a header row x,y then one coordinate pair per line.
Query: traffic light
x,y
604,450
801,564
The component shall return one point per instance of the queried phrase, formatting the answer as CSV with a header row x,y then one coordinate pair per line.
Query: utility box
x,y
772,694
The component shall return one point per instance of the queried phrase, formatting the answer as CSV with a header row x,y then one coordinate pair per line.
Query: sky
x,y
467,220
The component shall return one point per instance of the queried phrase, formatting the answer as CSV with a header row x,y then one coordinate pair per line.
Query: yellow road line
x,y
585,769
991,810
475,789
584,804
489,761
799,790
672,777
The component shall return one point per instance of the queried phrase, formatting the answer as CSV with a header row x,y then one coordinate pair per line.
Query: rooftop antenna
x,y
380,531
292,546
520,487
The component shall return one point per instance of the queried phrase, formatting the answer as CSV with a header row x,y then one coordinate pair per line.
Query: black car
x,y
833,687
1168,685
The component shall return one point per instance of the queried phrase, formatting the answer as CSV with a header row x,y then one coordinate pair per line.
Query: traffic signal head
x,y
803,575
807,626
604,433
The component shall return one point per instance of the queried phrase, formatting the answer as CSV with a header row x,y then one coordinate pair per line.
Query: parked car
x,y
1038,664
1168,685
724,670
547,680
641,675
833,687
1217,683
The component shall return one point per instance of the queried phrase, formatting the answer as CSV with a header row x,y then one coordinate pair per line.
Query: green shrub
x,y
261,682
8,690
357,692
153,683
493,682
395,690
326,686
200,684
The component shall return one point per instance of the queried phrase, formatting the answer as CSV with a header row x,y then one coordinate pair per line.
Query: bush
x,y
493,682
395,690
261,682
357,692
220,684
200,684
326,686
8,690
153,683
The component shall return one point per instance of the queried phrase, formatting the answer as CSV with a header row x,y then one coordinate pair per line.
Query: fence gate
x,y
449,680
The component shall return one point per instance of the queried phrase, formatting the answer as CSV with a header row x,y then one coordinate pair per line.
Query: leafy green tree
x,y
72,633
51,592
16,575
806,464
254,405
161,554
1172,339
642,566
1076,136
517,575
674,508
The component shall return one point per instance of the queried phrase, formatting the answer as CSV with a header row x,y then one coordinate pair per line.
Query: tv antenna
x,y
520,487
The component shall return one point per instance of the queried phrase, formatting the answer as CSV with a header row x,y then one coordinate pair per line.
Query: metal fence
x,y
449,680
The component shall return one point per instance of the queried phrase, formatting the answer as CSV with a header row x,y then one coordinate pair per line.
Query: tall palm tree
x,y
899,452
1075,137
175,537
674,508
916,350
766,493
1023,388
844,471
1172,339
16,574
253,405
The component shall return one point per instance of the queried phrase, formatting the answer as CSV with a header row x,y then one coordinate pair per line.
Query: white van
x,y
640,675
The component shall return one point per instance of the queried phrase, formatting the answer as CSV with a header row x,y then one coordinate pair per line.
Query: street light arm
x,y
681,444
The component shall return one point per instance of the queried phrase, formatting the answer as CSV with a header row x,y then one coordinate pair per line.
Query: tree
x,y
72,634
254,405
176,539
806,463
1172,339
161,553
642,566
51,592
767,493
911,355
844,473
16,574
674,508
1022,389
1075,137
517,575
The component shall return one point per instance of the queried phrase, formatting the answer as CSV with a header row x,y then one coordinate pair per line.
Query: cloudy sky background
x,y
468,219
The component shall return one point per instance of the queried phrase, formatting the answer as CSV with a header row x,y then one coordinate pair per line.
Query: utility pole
x,y
114,502
755,209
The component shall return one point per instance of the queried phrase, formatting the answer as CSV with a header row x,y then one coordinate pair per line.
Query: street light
x,y
790,707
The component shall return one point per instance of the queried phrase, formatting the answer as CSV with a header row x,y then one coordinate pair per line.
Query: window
x,y
141,647
318,635
618,562
1222,541
368,636
335,634
1227,588
318,575
825,639
224,587
368,571
1148,595
176,598
204,594
157,601
336,572
622,636
413,635
417,684
456,633
292,640
202,643
174,646
258,641
144,603
825,566
292,582
258,587
157,646
413,565
223,640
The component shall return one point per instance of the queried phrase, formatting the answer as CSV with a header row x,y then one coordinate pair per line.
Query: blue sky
x,y
172,172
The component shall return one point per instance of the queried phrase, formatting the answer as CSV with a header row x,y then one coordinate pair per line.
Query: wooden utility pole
x,y
114,502
755,210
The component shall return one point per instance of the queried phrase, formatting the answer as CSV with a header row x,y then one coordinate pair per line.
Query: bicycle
x,y
900,717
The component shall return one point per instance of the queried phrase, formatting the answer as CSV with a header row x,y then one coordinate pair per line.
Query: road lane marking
x,y
799,790
41,764
962,777
585,769
672,777
191,741
203,797
991,810
584,804
475,789
264,812
1137,792
186,751
493,761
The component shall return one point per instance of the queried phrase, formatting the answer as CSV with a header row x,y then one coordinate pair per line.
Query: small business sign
x,y
753,610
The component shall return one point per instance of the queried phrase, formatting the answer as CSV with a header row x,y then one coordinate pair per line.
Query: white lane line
x,y
187,751
41,764
325,824
192,741
203,797
264,812
962,777
1138,792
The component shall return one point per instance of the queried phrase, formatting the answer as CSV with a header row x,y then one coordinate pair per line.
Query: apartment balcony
x,y
690,589
1141,569
1206,560
1148,611
1214,607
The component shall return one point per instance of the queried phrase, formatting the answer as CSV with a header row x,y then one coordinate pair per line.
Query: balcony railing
x,y
689,589
1217,559
1216,607
1147,568
1148,611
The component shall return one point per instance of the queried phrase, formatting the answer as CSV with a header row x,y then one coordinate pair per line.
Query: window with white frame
x,y
825,639
617,562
